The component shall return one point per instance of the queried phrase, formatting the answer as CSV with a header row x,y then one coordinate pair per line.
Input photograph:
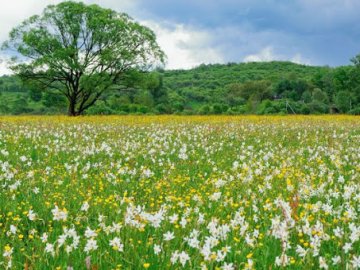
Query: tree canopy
x,y
81,51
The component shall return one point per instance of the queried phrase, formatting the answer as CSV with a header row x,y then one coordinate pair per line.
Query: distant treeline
x,y
246,88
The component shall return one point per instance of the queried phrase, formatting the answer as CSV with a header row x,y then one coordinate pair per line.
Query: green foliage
x,y
100,108
81,51
343,101
21,106
317,107
54,100
205,109
254,88
320,96
35,94
355,111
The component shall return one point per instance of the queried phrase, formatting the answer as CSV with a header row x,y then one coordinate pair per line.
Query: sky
x,y
192,32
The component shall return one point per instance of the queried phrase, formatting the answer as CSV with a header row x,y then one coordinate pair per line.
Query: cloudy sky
x,y
191,32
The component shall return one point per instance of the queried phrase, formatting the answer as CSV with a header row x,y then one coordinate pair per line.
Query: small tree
x,y
343,101
81,51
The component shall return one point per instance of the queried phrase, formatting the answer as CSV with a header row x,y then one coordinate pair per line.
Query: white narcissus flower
x,y
169,236
322,263
31,215
355,262
301,251
227,266
174,257
183,258
13,229
44,237
157,249
116,244
283,260
8,251
89,233
49,248
91,244
85,207
347,247
336,260
59,214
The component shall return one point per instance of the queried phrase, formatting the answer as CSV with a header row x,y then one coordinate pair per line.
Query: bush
x,y
205,109
355,111
265,107
100,107
143,109
163,109
317,107
133,108
304,109
20,106
219,108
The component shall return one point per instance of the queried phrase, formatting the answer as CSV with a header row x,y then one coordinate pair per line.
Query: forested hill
x,y
219,75
261,88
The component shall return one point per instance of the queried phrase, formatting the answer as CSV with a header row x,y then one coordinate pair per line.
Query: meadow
x,y
175,192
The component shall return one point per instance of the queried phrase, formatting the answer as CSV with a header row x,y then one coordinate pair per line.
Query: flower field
x,y
172,192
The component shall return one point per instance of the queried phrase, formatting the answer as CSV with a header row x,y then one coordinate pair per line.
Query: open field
x,y
168,192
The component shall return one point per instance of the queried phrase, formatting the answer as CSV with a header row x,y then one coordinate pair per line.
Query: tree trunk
x,y
71,110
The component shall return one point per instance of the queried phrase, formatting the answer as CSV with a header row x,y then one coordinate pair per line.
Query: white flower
x,y
62,239
183,222
116,227
49,248
341,179
338,232
347,247
235,165
116,244
249,265
31,215
13,229
227,266
322,263
89,233
173,218
85,207
283,260
68,249
183,258
215,196
59,214
356,262
169,236
157,249
182,153
336,260
8,251
148,173
4,152
301,251
174,257
90,245
44,237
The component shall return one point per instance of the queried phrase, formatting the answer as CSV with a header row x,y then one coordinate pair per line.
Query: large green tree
x,y
81,51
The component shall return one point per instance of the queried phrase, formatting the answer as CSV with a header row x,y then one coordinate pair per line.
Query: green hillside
x,y
217,75
261,88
